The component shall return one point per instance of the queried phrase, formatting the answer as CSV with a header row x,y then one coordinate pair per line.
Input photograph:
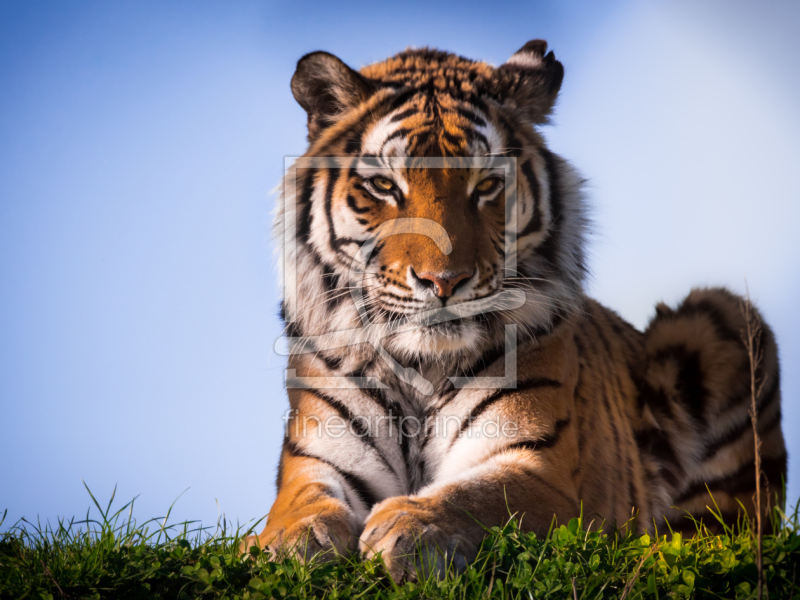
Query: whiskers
x,y
372,311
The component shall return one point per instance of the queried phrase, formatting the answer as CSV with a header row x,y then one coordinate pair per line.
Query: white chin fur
x,y
430,342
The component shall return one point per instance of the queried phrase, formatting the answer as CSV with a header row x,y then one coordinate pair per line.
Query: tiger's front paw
x,y
322,535
415,538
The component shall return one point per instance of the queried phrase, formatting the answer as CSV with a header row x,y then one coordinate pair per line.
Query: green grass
x,y
115,558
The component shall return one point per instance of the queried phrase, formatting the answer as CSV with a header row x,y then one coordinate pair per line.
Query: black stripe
x,y
631,447
279,476
609,412
403,115
624,330
734,434
471,116
455,140
360,121
449,391
483,405
708,309
325,490
402,131
656,443
365,113
353,145
333,177
343,411
577,392
282,317
501,251
690,381
362,433
626,436
514,146
614,431
544,443
330,279
579,347
556,320
535,223
654,398
473,135
398,300
381,400
405,445
551,246
332,363
361,371
359,486
293,330
609,354
423,476
741,480
304,219
377,250
536,382
632,495
351,202
486,360
480,105
401,98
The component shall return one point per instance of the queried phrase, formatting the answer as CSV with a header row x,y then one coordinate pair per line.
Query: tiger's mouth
x,y
451,329
443,337
448,328
441,323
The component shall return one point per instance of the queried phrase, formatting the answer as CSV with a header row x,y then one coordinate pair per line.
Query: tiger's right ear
x,y
530,80
326,87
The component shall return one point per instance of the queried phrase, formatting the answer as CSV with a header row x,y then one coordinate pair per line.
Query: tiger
x,y
447,372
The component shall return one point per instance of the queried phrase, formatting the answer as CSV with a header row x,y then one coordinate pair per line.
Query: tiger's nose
x,y
441,284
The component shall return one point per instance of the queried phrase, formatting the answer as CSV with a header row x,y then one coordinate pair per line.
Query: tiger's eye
x,y
382,183
487,185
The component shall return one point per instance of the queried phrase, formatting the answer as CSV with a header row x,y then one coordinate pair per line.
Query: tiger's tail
x,y
698,381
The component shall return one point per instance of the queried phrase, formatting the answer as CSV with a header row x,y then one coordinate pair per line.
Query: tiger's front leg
x,y
311,516
445,524
333,469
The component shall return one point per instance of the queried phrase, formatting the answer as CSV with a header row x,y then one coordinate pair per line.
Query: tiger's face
x,y
414,272
415,216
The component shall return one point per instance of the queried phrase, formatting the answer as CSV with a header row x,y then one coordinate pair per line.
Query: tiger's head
x,y
400,198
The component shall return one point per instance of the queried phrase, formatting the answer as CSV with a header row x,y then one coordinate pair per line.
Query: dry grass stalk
x,y
53,579
751,337
632,580
491,580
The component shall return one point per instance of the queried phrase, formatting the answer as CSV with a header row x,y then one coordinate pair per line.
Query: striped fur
x,y
623,422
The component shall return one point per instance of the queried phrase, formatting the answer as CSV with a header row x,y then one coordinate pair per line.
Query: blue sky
x,y
139,142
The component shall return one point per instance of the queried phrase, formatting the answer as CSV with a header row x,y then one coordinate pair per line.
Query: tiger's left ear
x,y
326,87
530,80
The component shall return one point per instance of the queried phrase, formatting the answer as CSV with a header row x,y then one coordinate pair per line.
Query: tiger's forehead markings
x,y
440,110
433,125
